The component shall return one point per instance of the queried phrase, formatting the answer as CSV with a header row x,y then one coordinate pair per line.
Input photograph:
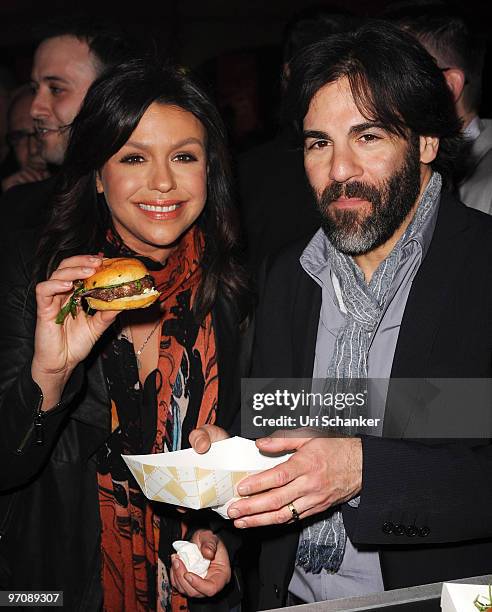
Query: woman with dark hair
x,y
146,175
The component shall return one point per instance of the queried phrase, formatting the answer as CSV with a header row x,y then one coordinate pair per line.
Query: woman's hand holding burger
x,y
59,348
64,336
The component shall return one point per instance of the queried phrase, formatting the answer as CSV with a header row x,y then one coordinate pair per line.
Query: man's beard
x,y
354,233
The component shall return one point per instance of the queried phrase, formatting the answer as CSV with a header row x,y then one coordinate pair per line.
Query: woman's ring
x,y
293,511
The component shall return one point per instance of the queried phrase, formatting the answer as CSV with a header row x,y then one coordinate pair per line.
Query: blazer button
x,y
277,590
411,531
399,529
424,531
388,527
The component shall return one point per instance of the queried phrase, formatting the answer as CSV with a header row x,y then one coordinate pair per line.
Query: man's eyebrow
x,y
362,127
354,129
315,134
53,79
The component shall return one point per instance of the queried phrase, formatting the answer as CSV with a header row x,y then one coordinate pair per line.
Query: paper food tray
x,y
186,478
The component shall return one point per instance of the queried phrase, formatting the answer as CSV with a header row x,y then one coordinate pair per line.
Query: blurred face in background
x,y
156,184
63,70
22,134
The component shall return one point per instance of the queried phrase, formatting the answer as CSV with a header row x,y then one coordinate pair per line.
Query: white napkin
x,y
190,555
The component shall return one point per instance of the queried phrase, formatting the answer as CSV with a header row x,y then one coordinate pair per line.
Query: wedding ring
x,y
293,511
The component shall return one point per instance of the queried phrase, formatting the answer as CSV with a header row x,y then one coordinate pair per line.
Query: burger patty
x,y
108,294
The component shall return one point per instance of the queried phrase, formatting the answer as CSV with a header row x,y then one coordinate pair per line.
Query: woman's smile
x,y
162,211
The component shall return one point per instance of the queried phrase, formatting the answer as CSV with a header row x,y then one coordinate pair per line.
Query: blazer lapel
x,y
430,290
305,322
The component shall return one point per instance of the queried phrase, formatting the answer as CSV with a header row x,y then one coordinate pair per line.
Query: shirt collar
x,y
314,259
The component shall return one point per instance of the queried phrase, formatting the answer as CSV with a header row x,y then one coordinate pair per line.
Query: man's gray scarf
x,y
322,543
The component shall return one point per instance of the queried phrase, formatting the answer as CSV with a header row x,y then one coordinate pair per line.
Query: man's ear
x,y
429,146
99,185
455,78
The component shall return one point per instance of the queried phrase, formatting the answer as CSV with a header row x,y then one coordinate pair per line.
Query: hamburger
x,y
121,283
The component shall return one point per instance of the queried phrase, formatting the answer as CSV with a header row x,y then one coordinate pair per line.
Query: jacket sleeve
x,y
415,493
26,435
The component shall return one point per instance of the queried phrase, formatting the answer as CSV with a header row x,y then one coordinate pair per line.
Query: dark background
x,y
234,46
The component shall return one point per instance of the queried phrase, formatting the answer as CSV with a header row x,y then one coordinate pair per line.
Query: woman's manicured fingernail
x,y
240,524
175,563
87,270
67,284
243,489
95,259
233,513
265,441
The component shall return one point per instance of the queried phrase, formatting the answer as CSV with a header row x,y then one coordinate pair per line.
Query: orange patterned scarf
x,y
182,339
135,573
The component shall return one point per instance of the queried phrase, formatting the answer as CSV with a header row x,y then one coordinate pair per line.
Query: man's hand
x,y
323,472
219,572
204,436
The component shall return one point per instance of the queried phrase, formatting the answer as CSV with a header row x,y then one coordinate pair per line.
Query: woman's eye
x,y
132,159
56,91
185,157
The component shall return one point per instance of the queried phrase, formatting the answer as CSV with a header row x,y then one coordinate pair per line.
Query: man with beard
x,y
396,284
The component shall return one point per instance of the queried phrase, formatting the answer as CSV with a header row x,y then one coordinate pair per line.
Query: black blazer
x,y
49,513
437,494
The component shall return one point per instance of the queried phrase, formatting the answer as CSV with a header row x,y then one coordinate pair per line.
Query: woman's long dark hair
x,y
111,111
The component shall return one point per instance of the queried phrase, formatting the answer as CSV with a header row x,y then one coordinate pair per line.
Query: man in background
x,y
67,61
24,142
459,53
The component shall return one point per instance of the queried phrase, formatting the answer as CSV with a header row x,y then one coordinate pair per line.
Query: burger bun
x,y
116,271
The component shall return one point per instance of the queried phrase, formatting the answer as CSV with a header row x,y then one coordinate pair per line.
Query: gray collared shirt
x,y
360,572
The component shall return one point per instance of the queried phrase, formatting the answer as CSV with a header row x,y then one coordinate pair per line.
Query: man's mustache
x,y
354,189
